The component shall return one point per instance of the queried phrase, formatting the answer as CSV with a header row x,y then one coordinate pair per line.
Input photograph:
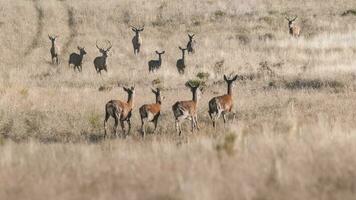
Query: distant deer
x,y
222,104
137,40
77,59
187,109
54,50
181,61
100,61
151,112
120,111
190,44
294,30
154,65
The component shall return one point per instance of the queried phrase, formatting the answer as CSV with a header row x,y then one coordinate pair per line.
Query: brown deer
x,y
190,44
54,50
120,111
221,105
187,109
151,112
181,62
77,59
294,30
137,40
100,61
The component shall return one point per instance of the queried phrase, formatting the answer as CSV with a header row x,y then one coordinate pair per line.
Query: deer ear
x,y
234,79
225,78
163,52
157,52
133,30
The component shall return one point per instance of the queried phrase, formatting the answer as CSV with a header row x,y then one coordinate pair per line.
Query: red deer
x,y
222,104
100,61
294,30
151,112
187,109
190,44
120,111
137,40
154,65
181,62
77,59
54,50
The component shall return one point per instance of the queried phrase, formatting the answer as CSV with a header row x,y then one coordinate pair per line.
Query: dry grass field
x,y
294,136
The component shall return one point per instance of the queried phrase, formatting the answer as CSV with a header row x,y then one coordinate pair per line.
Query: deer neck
x,y
229,89
158,100
130,100
195,96
159,59
183,56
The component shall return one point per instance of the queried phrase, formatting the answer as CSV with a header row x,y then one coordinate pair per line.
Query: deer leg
x,y
196,122
143,133
155,122
224,117
129,123
178,128
193,123
105,121
122,126
116,125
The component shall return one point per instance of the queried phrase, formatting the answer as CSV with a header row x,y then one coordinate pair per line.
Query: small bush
x,y
94,120
349,12
203,75
195,82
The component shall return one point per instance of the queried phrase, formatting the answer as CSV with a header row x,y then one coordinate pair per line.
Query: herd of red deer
x,y
121,111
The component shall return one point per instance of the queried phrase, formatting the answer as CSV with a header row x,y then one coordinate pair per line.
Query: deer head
x,y
103,50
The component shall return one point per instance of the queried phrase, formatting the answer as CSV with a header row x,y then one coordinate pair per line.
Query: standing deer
x,y
77,59
54,50
294,30
222,104
190,44
137,40
187,109
100,61
151,112
181,62
154,65
120,111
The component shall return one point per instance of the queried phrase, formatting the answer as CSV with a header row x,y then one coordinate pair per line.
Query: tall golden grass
x,y
293,137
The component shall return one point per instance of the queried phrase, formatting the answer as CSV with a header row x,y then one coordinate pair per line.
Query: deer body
x,y
151,112
187,110
190,44
54,50
181,62
221,105
154,65
137,40
120,111
100,61
294,30
77,59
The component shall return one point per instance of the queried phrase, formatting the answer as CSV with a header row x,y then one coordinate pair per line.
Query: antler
x,y
294,18
96,44
110,45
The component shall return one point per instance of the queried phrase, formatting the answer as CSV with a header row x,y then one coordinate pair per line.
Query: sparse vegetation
x,y
293,137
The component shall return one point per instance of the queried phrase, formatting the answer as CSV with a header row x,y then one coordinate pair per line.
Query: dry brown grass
x,y
293,138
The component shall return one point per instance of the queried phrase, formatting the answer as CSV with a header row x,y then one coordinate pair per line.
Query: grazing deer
x,y
181,62
120,111
151,112
77,59
222,104
54,50
137,40
190,44
187,109
294,30
100,61
154,65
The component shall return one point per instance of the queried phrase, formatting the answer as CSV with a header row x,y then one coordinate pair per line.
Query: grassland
x,y
294,136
